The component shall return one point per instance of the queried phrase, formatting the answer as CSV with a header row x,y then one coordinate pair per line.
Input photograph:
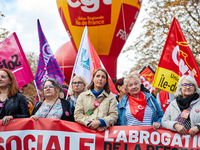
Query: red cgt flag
x,y
147,76
176,60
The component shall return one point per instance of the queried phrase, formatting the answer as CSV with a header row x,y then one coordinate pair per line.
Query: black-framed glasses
x,y
79,82
185,85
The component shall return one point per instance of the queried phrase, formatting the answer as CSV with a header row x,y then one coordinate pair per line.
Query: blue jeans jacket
x,y
157,111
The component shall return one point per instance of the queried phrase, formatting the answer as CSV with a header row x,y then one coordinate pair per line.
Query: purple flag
x,y
47,66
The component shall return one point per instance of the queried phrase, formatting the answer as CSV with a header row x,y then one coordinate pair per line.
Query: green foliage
x,y
3,32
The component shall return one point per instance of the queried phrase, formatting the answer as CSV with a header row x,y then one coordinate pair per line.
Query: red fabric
x,y
137,106
163,96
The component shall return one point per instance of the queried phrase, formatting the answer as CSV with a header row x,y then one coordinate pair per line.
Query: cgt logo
x,y
87,5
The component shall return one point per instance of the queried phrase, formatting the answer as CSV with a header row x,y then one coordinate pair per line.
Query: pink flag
x,y
13,58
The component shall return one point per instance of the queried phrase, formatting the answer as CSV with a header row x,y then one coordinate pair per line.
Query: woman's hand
x,y
34,117
193,131
101,129
6,120
180,129
94,124
156,125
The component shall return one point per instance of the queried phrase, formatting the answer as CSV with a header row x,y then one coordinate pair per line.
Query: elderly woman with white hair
x,y
77,86
183,113
137,107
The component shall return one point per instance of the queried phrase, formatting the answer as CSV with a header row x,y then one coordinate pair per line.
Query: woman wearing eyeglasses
x,y
183,113
53,106
97,108
77,86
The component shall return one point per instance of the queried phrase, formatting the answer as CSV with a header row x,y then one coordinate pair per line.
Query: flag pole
x,y
37,90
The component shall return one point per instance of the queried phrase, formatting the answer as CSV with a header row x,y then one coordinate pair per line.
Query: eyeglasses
x,y
185,85
50,86
79,82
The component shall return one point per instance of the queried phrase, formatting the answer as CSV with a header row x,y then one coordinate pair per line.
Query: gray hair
x,y
190,79
54,82
131,76
71,92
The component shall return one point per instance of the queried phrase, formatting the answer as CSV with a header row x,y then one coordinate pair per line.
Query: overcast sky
x,y
21,17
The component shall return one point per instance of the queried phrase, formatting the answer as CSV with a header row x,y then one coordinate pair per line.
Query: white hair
x,y
131,76
190,79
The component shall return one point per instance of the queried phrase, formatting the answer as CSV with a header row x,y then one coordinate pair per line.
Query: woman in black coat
x,y
12,103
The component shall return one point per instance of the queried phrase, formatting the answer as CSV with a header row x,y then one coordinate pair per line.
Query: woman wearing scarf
x,y
97,108
138,108
183,113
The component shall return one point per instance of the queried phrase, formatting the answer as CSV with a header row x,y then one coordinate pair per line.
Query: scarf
x,y
184,103
137,106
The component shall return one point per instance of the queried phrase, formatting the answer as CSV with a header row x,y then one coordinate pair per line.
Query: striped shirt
x,y
130,120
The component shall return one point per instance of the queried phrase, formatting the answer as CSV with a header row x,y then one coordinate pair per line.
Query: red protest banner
x,y
51,134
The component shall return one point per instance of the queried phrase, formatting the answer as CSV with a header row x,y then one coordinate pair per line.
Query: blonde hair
x,y
71,92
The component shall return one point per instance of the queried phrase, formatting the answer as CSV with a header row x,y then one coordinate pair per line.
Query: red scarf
x,y
137,106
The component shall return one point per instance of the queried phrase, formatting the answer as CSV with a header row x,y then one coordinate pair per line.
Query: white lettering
x,y
106,136
133,136
195,141
89,5
167,142
121,136
153,138
177,140
144,135
186,140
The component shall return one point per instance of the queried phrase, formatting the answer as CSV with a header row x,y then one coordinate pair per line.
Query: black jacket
x,y
15,106
67,107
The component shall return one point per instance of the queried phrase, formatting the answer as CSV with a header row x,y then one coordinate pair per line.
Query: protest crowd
x,y
95,105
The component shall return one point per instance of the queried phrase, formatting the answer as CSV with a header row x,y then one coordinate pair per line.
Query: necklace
x,y
51,108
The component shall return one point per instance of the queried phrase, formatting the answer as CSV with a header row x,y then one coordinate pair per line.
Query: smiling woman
x,y
97,108
183,113
137,107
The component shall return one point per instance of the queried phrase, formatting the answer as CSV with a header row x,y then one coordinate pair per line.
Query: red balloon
x,y
66,56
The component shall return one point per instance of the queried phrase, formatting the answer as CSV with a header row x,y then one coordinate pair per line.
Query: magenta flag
x,y
13,58
48,66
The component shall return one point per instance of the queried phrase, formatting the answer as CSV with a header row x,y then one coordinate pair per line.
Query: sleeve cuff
x,y
103,124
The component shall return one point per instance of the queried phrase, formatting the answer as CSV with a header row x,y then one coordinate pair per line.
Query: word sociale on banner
x,y
64,135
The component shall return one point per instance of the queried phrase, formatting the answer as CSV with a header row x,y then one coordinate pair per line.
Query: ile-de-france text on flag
x,y
13,58
147,76
176,60
87,61
47,65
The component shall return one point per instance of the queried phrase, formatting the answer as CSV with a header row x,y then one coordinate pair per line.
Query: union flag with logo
x,y
176,60
88,61
147,76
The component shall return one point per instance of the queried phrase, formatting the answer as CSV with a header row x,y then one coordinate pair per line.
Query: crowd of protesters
x,y
95,107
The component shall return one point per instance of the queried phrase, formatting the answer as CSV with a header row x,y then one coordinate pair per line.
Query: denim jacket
x,y
157,111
